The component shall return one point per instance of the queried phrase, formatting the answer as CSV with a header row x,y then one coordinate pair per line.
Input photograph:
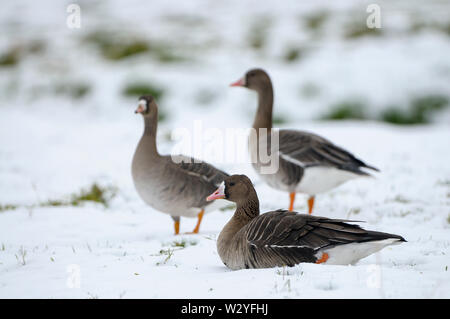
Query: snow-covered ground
x,y
52,146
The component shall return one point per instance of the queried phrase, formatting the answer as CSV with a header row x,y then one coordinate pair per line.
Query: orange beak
x,y
218,194
240,82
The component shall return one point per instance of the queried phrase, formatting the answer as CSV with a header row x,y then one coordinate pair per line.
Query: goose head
x,y
254,79
147,106
236,188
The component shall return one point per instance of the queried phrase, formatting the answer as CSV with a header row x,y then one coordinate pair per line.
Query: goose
x,y
307,163
283,238
175,185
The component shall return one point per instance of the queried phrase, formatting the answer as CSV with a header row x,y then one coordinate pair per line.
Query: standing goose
x,y
308,163
175,185
282,238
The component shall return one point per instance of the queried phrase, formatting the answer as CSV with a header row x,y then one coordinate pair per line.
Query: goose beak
x,y
240,82
140,109
218,194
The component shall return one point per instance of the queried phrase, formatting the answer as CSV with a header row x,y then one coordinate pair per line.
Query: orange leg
x,y
323,259
176,225
199,221
310,204
292,197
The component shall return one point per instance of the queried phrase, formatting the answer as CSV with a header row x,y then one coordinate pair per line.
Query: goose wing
x,y
287,238
200,169
306,150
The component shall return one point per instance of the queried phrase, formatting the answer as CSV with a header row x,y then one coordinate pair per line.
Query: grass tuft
x,y
346,110
358,29
7,207
165,54
96,194
420,111
183,243
14,54
293,54
316,20
258,32
115,48
279,119
420,25
137,89
10,58
166,252
401,199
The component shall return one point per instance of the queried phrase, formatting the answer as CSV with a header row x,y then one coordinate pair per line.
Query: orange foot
x,y
199,221
310,204
323,259
176,225
292,197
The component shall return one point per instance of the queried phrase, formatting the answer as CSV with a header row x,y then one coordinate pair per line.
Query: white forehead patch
x,y
143,104
222,188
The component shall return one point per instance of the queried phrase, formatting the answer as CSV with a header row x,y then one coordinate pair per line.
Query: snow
x,y
52,146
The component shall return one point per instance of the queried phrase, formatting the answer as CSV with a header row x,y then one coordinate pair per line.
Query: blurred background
x,y
325,62
66,93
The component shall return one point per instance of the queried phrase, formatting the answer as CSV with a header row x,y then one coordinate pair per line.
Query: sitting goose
x,y
282,238
175,185
308,163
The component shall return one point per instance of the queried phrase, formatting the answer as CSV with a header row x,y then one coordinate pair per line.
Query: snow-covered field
x,y
52,146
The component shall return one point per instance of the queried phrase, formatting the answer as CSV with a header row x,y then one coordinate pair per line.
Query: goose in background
x,y
174,185
308,163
